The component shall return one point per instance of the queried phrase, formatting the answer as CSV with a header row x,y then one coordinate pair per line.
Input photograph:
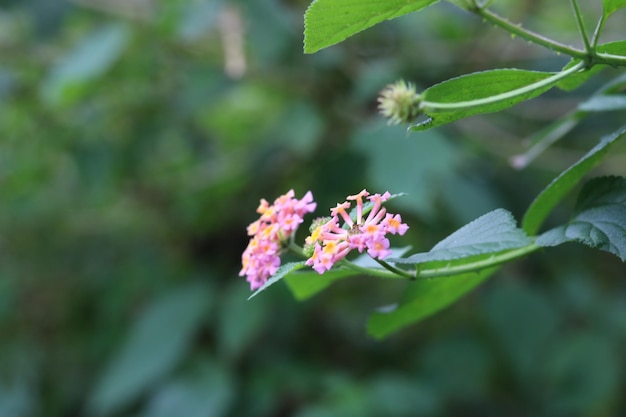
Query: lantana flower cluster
x,y
331,238
278,222
332,241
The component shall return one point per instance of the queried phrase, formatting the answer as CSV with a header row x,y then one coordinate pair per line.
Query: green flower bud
x,y
315,229
399,102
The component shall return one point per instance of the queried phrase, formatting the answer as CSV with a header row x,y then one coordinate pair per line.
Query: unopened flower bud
x,y
315,229
399,102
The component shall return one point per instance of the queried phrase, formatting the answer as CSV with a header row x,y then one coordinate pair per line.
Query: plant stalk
x,y
381,273
396,273
478,265
597,31
536,38
581,27
395,270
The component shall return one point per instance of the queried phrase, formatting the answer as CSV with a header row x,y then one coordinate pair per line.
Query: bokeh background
x,y
136,139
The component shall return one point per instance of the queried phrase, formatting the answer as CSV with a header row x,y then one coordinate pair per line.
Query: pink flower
x,y
333,242
261,258
394,224
379,248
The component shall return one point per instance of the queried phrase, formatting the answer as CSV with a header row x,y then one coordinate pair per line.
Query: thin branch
x,y
478,265
518,30
581,27
381,273
597,31
395,270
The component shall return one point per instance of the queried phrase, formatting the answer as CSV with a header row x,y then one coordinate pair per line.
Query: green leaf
x,y
479,85
574,81
611,6
90,59
600,219
283,271
613,48
493,232
423,298
541,207
327,22
305,285
156,343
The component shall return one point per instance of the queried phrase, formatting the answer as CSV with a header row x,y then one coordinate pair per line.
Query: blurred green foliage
x,y
136,138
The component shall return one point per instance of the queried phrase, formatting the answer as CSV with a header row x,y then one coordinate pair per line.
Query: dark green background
x,y
131,163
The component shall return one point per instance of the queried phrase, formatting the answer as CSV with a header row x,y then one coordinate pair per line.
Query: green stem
x,y
504,96
546,138
373,271
596,33
296,248
478,265
529,35
395,270
581,27
609,59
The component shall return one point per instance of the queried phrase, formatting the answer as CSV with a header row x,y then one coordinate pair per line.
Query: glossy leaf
x,y
611,6
479,85
490,234
156,342
541,207
493,232
280,274
423,298
327,22
600,219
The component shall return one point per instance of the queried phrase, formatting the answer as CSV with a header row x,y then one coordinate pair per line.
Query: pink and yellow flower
x,y
332,242
279,221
